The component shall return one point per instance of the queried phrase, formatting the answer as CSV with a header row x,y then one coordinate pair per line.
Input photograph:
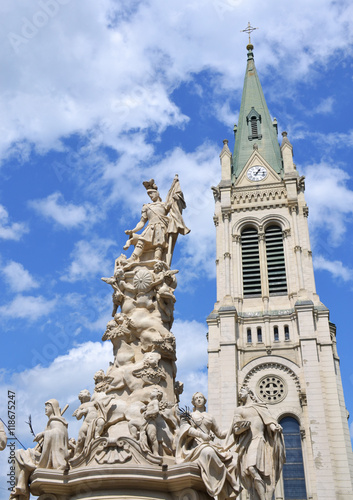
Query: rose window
x,y
271,389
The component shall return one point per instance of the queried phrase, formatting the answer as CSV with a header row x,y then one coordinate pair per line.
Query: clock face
x,y
256,173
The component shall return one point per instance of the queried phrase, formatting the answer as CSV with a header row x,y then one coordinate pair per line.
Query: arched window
x,y
253,120
276,268
275,334
286,332
250,262
293,469
259,334
248,336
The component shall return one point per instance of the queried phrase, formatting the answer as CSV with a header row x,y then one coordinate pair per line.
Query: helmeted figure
x,y
164,223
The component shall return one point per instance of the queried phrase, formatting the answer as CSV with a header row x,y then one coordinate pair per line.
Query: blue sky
x,y
96,97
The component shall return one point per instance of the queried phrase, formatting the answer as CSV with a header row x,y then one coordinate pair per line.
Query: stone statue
x,y
133,409
164,223
154,428
51,451
158,434
196,444
165,284
93,423
3,438
124,293
132,376
260,446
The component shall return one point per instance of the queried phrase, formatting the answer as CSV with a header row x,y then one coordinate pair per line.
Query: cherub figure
x,y
124,293
93,424
152,429
165,283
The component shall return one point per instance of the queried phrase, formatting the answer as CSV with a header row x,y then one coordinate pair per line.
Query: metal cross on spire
x,y
249,30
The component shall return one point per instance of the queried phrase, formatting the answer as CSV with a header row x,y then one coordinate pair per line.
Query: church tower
x,y
268,330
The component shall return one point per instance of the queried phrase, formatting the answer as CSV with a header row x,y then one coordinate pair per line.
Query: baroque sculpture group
x,y
132,415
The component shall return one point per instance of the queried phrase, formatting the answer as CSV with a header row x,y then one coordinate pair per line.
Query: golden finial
x,y
249,30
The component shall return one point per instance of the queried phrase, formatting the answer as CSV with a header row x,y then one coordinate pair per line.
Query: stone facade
x,y
282,346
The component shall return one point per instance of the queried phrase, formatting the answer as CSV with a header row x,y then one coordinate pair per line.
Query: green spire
x,y
255,125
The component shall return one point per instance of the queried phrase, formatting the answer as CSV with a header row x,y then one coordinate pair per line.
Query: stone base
x,y
136,482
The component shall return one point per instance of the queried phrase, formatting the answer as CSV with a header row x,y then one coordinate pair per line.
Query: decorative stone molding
x,y
261,236
301,183
302,398
271,389
260,223
216,220
236,238
302,433
226,215
271,193
227,255
306,211
189,494
297,248
270,366
126,480
286,233
216,193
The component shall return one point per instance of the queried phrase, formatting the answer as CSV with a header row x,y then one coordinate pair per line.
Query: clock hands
x,y
256,173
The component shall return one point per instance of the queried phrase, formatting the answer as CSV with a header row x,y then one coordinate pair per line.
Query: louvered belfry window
x,y
250,262
254,131
276,269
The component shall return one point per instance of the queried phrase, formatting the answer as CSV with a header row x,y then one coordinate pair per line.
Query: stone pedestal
x,y
121,482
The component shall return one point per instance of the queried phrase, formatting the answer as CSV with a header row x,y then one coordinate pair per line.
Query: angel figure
x,y
93,423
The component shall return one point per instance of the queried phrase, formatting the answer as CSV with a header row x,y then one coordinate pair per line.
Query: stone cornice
x,y
276,193
172,478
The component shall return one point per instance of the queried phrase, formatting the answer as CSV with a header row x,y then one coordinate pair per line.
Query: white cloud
x,y
191,346
325,107
28,307
65,214
18,278
330,201
88,259
42,97
62,379
337,139
336,268
8,230
197,172
68,374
